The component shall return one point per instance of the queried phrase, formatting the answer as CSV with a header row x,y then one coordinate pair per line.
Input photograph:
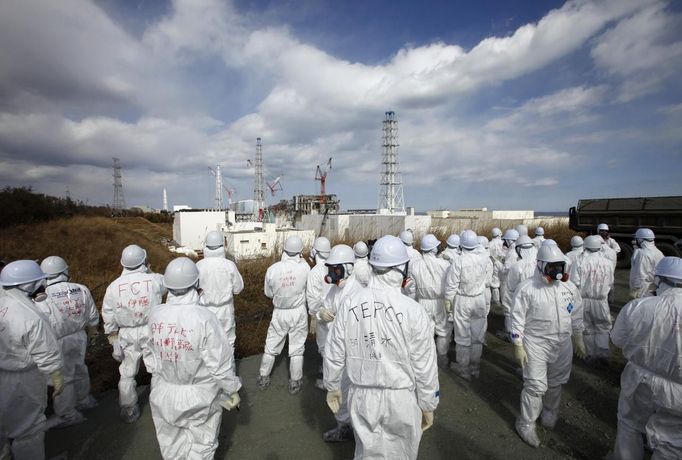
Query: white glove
x,y
326,315
579,345
448,305
231,401
634,293
113,337
334,400
312,325
57,382
520,354
427,420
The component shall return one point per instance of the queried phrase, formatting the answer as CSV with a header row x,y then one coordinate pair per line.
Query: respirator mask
x,y
336,274
553,271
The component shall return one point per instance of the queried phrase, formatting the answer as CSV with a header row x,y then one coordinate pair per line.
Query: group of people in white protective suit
x,y
45,321
375,313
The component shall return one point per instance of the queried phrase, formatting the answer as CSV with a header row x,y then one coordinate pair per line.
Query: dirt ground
x,y
474,420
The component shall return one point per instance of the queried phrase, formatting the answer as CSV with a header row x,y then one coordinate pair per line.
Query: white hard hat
x,y
388,251
550,253
483,241
539,231
407,237
21,272
322,246
601,227
576,241
524,241
511,235
593,242
549,242
522,229
644,234
214,239
293,245
468,239
453,241
133,256
496,232
670,267
53,266
429,242
360,249
181,273
341,254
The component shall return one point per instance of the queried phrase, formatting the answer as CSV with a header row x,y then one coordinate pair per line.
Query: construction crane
x,y
275,185
230,190
321,175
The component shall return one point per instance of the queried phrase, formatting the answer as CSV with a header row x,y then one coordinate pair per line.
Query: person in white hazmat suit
x,y
220,281
407,237
650,401
451,250
539,237
28,352
361,270
484,249
603,231
190,359
593,275
70,309
341,277
465,285
510,257
498,253
643,263
317,288
125,310
429,278
521,270
382,340
547,326
285,284
576,249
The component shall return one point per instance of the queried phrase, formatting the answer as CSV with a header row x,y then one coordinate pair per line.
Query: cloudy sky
x,y
499,105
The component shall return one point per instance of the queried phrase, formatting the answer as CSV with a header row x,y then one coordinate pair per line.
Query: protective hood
x,y
188,298
218,252
647,244
141,269
61,278
528,253
296,258
319,259
392,279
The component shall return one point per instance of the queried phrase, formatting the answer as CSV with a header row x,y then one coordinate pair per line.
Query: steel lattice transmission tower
x,y
391,181
259,185
119,201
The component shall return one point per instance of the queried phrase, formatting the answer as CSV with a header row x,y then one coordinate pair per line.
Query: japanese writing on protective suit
x,y
171,340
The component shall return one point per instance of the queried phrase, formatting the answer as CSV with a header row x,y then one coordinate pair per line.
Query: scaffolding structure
x,y
119,202
391,180
259,185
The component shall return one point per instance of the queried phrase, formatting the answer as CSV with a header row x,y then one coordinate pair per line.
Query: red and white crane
x,y
321,175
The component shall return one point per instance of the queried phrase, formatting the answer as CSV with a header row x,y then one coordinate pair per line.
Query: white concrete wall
x,y
190,228
354,227
250,244
513,215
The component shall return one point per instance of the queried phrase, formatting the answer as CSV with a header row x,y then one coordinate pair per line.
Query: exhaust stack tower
x,y
391,181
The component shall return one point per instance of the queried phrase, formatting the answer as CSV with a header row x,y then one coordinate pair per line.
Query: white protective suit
x,y
429,277
644,261
497,249
613,244
650,400
334,302
523,269
382,340
127,303
190,359
574,256
510,258
220,280
413,254
497,253
285,284
69,309
537,241
316,290
28,352
449,254
466,281
593,275
544,316
362,272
